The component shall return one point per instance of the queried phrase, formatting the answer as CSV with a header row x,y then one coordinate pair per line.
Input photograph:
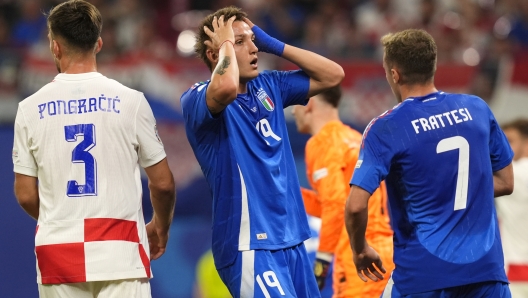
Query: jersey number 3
x,y
80,154
462,145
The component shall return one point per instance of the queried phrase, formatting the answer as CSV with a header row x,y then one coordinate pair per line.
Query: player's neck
x,y
417,90
319,120
77,65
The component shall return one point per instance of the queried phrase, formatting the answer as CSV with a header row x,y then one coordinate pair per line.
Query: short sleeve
x,y
294,86
375,157
194,107
501,153
23,160
150,150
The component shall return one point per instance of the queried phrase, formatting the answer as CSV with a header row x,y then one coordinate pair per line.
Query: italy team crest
x,y
265,100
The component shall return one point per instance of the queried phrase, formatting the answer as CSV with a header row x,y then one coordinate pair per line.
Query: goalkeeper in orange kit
x,y
331,155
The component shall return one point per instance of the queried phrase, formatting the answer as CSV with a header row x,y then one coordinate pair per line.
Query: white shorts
x,y
133,288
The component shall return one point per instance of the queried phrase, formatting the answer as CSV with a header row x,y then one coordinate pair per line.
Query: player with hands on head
x,y
444,158
237,129
79,144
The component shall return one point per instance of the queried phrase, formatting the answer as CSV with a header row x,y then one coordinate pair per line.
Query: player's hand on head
x,y
369,265
264,42
249,22
222,31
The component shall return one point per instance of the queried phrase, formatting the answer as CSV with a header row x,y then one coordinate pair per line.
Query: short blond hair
x,y
413,53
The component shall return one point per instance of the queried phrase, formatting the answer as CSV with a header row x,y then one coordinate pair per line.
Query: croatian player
x,y
444,158
78,142
236,127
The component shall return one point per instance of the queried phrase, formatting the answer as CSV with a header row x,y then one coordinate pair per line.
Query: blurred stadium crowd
x,y
471,32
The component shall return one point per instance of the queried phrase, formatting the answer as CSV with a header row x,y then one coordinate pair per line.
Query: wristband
x,y
227,40
266,43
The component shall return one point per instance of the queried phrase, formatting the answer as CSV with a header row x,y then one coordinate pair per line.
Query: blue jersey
x,y
246,157
437,154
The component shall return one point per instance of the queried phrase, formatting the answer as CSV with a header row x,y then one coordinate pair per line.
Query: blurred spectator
x,y
282,19
519,32
512,211
208,283
31,26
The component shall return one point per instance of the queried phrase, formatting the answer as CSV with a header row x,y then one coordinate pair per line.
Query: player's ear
x,y
395,75
98,45
211,55
56,49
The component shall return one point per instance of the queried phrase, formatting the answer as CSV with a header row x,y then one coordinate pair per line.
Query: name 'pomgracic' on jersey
x,y
434,122
79,106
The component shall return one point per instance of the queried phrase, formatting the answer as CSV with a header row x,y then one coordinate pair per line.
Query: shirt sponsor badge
x,y
359,163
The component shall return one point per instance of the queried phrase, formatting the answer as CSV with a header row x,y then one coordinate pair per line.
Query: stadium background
x,y
147,46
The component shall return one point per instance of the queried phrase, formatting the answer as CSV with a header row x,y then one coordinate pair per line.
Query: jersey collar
x,y
78,76
426,98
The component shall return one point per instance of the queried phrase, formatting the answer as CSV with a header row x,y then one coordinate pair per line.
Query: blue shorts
x,y
271,273
495,289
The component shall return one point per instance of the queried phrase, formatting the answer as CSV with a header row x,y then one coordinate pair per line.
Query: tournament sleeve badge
x,y
265,100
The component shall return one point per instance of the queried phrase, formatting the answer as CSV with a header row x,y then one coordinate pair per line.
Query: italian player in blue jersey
x,y
236,127
444,158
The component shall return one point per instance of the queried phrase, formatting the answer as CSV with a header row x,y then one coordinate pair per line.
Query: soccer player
x,y
79,143
444,158
512,211
236,127
331,155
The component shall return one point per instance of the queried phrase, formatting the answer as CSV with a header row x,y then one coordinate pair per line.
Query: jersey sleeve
x,y
23,161
194,107
294,86
375,158
150,149
500,151
332,189
311,202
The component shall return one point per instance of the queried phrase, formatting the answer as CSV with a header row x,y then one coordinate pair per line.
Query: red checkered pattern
x,y
67,262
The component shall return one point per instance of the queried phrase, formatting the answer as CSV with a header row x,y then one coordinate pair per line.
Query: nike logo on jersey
x,y
434,122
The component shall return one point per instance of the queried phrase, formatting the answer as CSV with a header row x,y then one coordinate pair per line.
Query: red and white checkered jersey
x,y
513,221
84,137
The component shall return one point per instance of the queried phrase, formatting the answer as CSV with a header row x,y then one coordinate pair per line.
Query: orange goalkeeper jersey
x,y
331,156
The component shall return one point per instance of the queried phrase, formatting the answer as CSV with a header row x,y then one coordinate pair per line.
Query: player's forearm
x,y
356,218
163,199
503,181
31,206
332,219
323,70
225,80
27,195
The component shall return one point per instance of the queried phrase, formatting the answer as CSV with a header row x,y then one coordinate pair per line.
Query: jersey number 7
x,y
462,145
80,154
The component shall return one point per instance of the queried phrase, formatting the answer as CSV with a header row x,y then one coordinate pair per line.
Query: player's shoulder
x,y
114,84
194,90
39,94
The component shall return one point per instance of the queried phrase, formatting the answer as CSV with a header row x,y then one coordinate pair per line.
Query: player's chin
x,y
249,75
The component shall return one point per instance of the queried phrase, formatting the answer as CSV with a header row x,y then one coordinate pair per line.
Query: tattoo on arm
x,y
217,110
223,65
